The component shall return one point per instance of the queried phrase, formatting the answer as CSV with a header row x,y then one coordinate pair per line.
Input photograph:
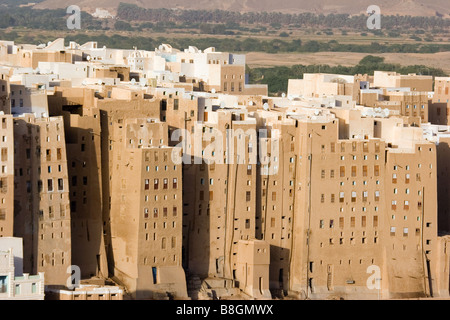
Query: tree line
x,y
248,44
132,12
277,77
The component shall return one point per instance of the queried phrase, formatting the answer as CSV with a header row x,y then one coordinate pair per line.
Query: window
x,y
60,185
155,184
165,183
342,171
392,231
394,205
174,242
175,183
365,195
406,205
50,185
365,147
248,196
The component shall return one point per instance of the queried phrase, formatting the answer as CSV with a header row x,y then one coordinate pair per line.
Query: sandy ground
x,y
259,59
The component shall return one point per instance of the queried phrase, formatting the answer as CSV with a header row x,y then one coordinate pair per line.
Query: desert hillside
x,y
388,7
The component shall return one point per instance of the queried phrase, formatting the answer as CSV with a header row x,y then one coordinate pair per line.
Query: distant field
x,y
260,59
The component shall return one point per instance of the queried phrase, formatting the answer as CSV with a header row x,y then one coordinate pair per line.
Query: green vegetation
x,y
256,32
43,19
131,12
277,77
235,44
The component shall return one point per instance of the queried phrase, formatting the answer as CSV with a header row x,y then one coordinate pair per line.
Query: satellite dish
x,y
222,104
99,82
38,71
83,83
88,58
133,81
250,103
386,112
370,112
283,95
266,106
364,113
213,90
316,112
